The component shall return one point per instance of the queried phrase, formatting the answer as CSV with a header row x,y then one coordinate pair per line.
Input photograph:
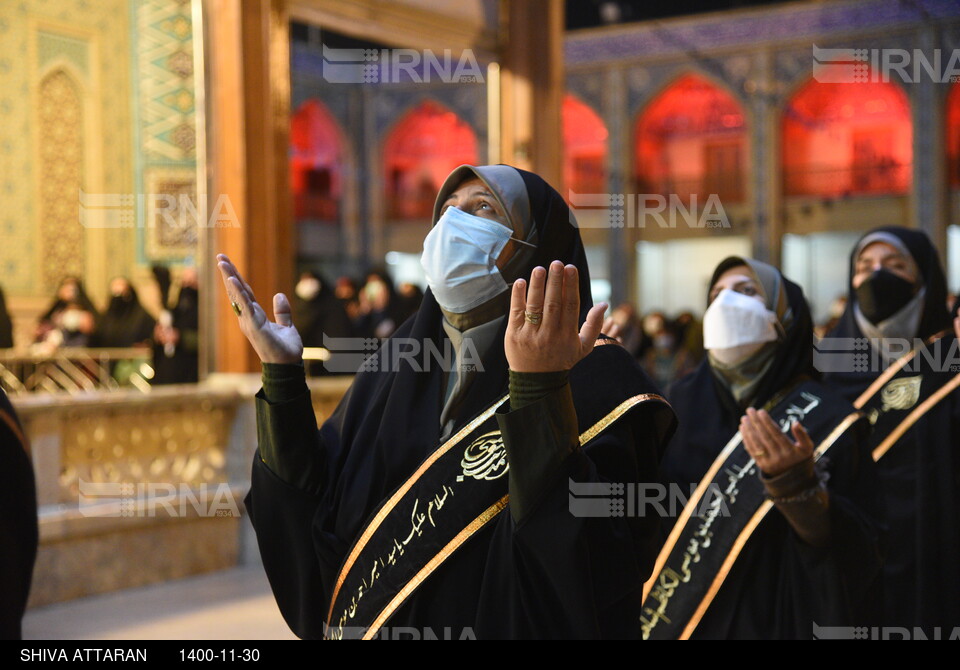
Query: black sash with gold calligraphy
x,y
909,389
722,513
454,493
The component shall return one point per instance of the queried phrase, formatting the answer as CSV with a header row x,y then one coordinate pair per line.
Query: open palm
x,y
274,341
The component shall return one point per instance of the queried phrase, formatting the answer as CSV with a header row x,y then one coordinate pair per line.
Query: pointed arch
x,y
422,148
692,140
317,155
843,139
60,141
953,135
584,147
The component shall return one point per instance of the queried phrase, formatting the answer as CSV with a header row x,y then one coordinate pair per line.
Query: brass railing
x,y
75,370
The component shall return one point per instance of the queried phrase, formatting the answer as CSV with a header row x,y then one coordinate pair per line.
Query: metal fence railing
x,y
74,370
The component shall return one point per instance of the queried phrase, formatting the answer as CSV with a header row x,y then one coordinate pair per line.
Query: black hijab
x,y
323,314
125,322
935,318
389,420
82,301
709,415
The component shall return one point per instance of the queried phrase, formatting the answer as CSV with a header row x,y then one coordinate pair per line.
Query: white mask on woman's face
x,y
736,326
460,260
72,319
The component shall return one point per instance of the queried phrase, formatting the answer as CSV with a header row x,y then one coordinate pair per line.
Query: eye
x,y
748,290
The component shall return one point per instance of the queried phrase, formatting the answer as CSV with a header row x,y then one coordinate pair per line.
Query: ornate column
x,y
532,87
249,90
929,203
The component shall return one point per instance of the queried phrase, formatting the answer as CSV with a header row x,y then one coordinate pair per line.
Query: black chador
x,y
744,561
429,506
18,525
904,372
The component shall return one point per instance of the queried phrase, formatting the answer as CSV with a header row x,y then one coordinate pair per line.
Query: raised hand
x,y
773,451
274,341
542,333
612,329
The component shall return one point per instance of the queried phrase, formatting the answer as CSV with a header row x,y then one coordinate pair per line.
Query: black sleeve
x,y
287,433
539,433
848,569
285,494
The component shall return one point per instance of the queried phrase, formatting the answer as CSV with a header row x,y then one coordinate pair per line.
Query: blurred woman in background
x,y
70,320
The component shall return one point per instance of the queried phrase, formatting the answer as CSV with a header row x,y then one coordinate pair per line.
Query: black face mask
x,y
883,294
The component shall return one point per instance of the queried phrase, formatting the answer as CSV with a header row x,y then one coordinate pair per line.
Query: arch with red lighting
x,y
423,147
953,135
692,140
317,153
842,139
584,148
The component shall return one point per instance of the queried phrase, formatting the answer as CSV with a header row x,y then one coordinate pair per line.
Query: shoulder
x,y
609,382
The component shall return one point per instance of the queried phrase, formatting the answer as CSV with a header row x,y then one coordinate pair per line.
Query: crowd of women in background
x,y
72,320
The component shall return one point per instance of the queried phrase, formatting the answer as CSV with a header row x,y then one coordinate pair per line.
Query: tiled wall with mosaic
x,y
104,105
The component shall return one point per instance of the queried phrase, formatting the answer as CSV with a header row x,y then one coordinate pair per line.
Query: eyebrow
x,y
897,255
737,285
478,193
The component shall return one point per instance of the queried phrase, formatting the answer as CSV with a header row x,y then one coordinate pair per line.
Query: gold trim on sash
x,y
751,526
891,372
698,494
618,412
395,498
435,562
489,514
688,511
915,416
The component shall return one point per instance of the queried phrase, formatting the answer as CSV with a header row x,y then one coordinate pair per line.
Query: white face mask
x,y
460,260
736,326
307,289
72,319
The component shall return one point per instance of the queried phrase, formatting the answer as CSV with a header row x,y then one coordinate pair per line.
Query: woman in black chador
x,y
318,315
438,499
905,375
18,524
786,540
125,323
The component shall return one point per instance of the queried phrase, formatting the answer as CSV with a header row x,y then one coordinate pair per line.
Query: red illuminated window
x,y
692,140
953,135
584,148
421,150
847,139
316,155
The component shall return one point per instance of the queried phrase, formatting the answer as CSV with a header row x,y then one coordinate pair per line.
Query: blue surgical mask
x,y
460,260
